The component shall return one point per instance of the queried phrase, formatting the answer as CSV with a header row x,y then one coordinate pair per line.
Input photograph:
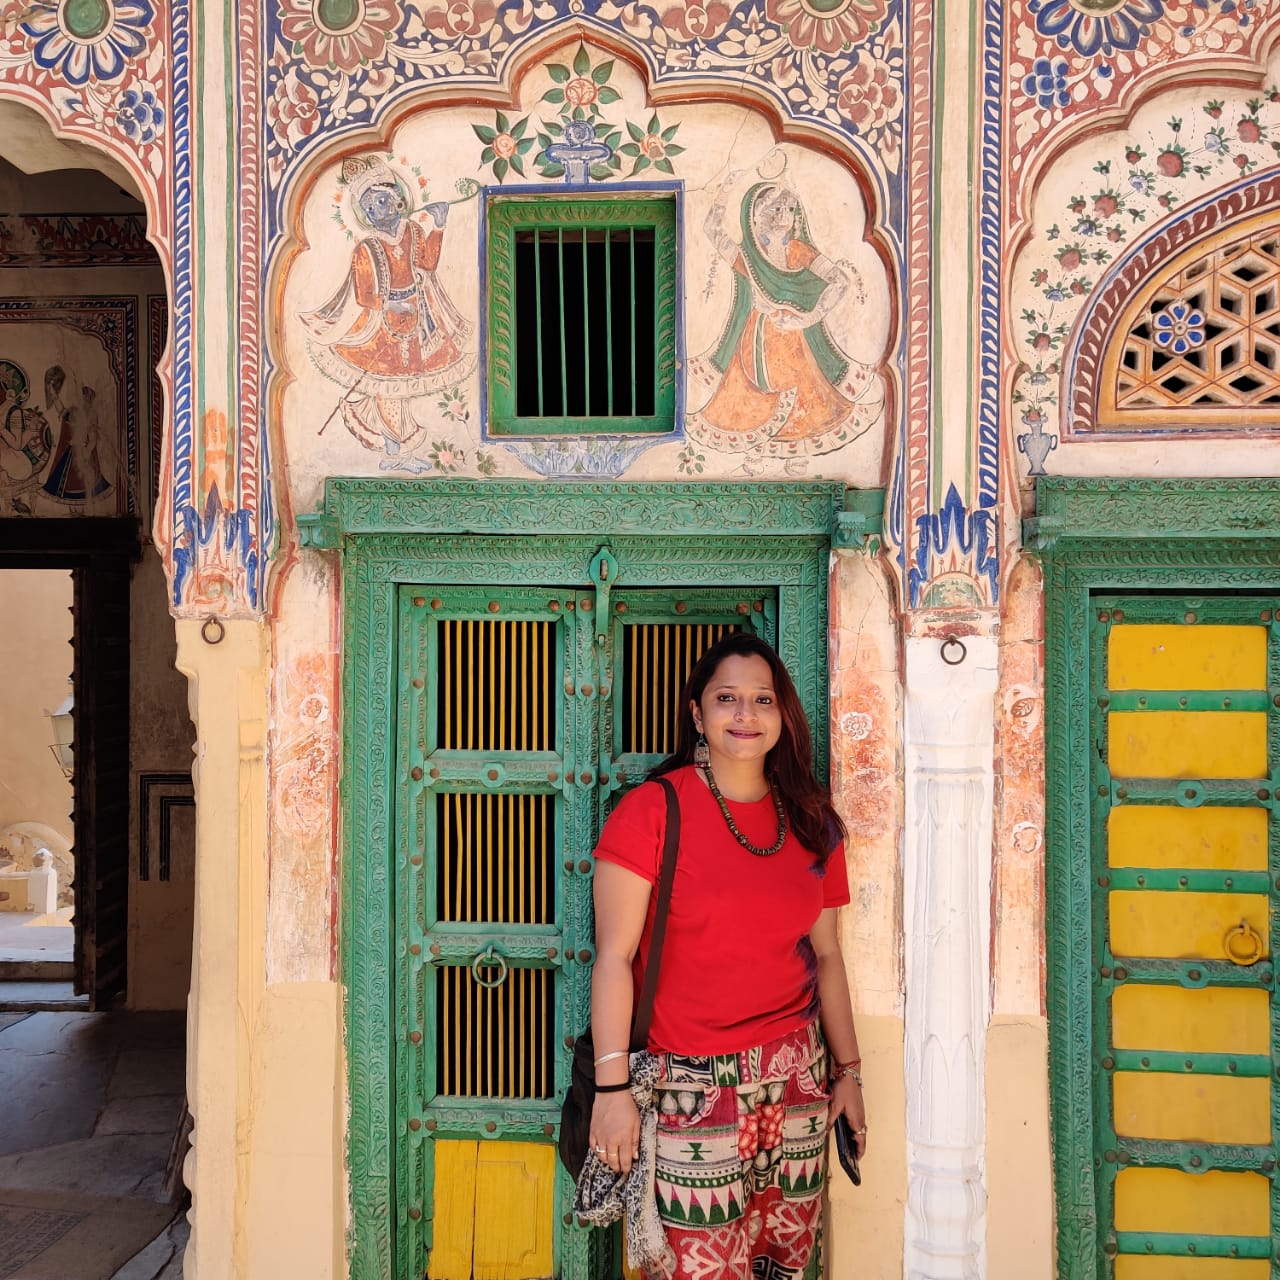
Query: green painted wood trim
x,y
1095,537
373,505
1175,1245
1102,509
1183,1064
1189,881
1192,700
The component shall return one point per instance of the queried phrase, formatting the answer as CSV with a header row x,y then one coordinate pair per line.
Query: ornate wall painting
x,y
1111,202
778,381
839,76
68,416
390,336
383,307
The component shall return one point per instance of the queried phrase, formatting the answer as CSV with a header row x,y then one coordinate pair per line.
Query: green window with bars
x,y
582,327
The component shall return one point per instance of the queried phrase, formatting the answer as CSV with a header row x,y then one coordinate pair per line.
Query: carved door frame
x,y
776,536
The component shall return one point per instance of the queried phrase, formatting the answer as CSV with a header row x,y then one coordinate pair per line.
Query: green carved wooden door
x,y
1185,733
524,712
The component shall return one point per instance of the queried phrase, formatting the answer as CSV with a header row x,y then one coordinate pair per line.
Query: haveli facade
x,y
514,351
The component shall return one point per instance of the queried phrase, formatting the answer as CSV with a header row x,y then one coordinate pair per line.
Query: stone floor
x,y
91,1104
27,935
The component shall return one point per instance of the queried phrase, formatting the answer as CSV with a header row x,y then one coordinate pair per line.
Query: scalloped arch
x,y
1095,354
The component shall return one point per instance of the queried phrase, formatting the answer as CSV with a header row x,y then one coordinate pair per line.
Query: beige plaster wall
x,y
161,735
1018,1158
36,658
865,1224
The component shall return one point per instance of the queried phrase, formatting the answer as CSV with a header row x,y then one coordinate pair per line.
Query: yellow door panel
x,y
1209,838
1213,1203
1152,1268
1187,744
514,1220
1189,926
1210,1020
453,1224
1199,657
1192,1108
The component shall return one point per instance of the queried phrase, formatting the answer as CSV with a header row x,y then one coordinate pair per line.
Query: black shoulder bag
x,y
575,1114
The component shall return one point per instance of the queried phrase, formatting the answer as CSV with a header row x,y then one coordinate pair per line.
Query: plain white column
x,y
949,730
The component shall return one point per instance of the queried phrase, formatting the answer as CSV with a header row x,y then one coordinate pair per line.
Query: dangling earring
x,y
702,753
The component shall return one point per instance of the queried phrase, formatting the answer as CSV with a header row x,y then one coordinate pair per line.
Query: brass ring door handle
x,y
489,958
1243,944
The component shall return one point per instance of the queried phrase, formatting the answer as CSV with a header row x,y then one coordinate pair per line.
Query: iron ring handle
x,y
1250,952
949,646
213,630
490,958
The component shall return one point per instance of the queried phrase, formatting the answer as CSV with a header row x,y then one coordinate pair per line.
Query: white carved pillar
x,y
947,911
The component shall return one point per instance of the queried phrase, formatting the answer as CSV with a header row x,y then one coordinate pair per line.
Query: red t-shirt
x,y
738,968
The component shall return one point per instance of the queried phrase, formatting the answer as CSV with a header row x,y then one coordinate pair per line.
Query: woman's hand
x,y
846,1098
615,1130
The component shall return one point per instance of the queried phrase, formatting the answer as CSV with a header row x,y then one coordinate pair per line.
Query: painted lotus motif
x,y
85,40
454,18
1096,26
342,34
694,21
826,25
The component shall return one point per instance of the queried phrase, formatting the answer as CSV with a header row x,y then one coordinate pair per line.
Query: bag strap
x,y
649,987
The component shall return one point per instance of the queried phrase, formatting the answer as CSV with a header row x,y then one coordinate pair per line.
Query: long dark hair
x,y
789,764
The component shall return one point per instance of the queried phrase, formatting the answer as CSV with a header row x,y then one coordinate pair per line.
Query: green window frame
x,y
581,365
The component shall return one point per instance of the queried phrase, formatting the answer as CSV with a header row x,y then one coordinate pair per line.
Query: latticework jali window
x,y
1201,343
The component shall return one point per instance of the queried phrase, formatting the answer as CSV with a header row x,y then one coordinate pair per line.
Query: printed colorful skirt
x,y
741,1153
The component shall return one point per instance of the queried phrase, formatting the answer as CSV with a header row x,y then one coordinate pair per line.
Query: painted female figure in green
x,y
779,384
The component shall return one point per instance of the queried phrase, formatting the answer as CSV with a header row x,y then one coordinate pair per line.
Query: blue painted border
x,y
181,295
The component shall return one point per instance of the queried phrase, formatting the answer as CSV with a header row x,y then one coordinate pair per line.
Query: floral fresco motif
x,y
840,64
1068,58
91,39
1138,181
390,335
577,143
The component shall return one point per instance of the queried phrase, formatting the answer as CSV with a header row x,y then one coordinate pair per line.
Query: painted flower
x,y
1096,26
580,92
868,96
341,34
829,26
88,39
694,21
293,111
454,18
1179,328
140,115
1047,83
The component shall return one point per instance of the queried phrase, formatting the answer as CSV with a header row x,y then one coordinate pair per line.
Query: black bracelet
x,y
614,1088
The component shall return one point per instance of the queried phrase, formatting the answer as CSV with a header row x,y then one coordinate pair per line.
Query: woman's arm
x,y
837,1022
621,902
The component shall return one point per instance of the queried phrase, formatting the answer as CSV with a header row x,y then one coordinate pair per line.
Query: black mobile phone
x,y
847,1149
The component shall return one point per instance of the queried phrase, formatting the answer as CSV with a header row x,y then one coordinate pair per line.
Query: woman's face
x,y
739,711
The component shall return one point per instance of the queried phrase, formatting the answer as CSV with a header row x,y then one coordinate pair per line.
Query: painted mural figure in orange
x,y
778,382
389,334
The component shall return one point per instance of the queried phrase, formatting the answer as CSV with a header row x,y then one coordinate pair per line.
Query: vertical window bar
x,y
564,365
537,297
631,239
586,331
608,316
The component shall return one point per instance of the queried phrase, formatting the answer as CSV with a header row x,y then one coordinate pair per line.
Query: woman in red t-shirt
x,y
752,987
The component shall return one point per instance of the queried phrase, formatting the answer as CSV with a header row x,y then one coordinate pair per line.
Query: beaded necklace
x,y
733,826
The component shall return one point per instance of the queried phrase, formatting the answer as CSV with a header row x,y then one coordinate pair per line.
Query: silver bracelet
x,y
609,1057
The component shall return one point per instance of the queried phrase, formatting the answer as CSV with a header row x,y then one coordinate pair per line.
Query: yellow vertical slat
x,y
457,1039
469,741
499,679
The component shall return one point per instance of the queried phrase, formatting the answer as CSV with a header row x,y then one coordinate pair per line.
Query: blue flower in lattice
x,y
1047,83
1096,26
88,39
1179,328
140,115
